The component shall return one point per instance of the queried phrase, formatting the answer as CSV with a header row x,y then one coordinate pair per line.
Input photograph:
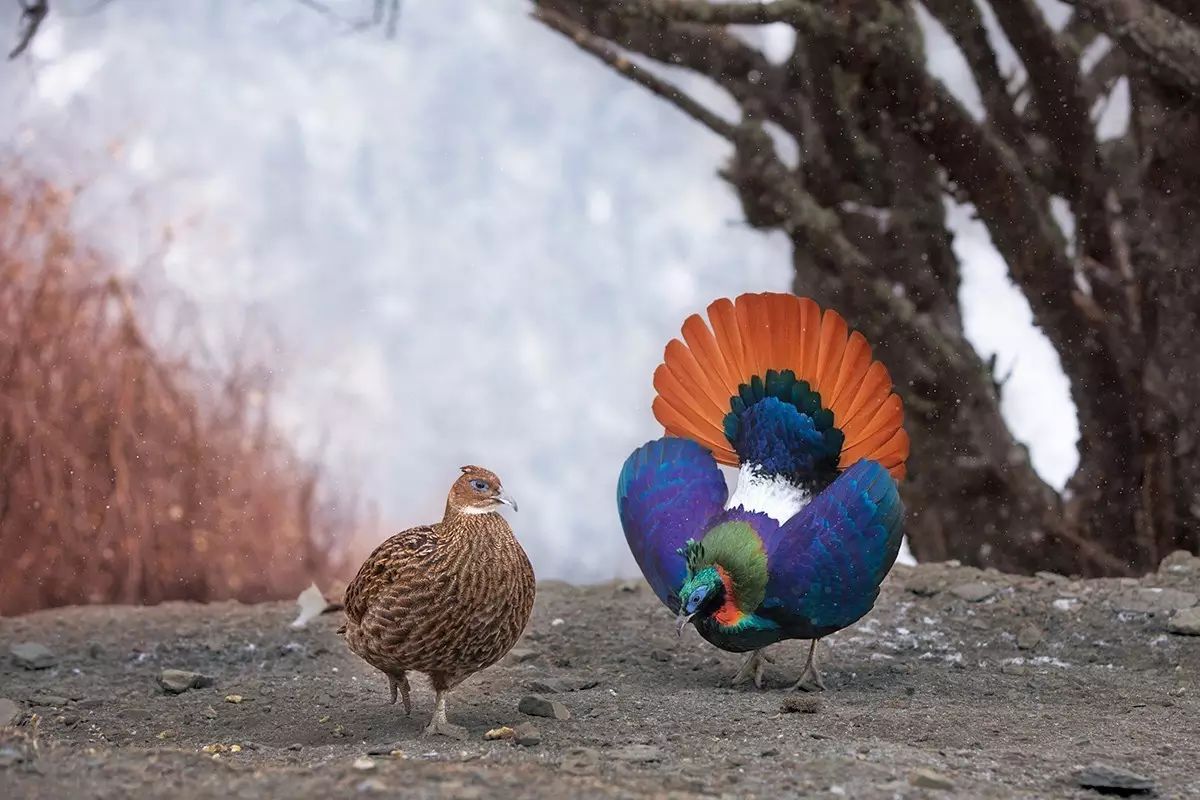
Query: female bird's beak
x,y
508,501
680,621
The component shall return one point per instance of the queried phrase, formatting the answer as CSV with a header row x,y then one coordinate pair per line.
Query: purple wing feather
x,y
826,563
668,491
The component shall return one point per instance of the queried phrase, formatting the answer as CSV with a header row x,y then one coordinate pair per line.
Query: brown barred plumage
x,y
447,599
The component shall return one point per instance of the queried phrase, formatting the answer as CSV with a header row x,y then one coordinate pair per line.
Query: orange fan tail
x,y
786,349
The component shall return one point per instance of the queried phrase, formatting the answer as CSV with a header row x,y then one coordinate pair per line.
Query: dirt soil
x,y
960,683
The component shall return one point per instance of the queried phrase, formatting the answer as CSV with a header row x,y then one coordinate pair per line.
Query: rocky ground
x,y
961,683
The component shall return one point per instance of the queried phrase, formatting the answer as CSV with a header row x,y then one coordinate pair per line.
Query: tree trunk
x,y
881,144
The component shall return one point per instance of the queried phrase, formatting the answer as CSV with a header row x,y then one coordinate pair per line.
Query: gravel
x,y
925,682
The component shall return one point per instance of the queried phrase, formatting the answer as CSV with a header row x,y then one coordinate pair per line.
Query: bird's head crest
x,y
693,553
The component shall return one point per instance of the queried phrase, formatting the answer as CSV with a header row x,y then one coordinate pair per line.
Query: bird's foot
x,y
401,684
752,669
443,728
810,679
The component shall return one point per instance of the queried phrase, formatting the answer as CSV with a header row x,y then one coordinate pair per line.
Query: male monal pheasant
x,y
447,599
786,393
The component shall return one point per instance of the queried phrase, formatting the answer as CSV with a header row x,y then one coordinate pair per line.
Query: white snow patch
x,y
1113,112
1094,53
946,62
1057,13
1035,399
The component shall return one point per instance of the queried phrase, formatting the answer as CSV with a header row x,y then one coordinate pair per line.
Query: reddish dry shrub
x,y
127,475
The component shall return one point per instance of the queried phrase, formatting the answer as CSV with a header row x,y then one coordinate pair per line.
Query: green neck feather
x,y
737,549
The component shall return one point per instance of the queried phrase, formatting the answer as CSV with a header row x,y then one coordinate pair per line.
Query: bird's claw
x,y
400,686
437,728
752,669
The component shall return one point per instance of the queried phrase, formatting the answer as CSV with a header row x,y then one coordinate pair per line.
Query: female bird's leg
x,y
438,725
752,668
400,682
810,670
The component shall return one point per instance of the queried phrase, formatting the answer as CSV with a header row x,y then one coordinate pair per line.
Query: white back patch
x,y
772,495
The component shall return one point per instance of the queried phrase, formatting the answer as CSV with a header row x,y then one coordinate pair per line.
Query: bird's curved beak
x,y
508,501
681,621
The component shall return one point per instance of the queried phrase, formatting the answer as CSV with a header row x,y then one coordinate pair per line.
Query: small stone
x,y
178,681
1029,637
1050,577
800,704
1014,669
503,732
519,655
296,748
526,735
558,685
925,585
1147,600
382,750
47,699
1180,561
975,592
661,655
364,764
929,779
1107,779
629,587
32,655
234,698
638,753
371,786
537,706
9,711
1185,622
580,761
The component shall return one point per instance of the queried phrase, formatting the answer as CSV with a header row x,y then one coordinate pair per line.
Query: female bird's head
x,y
478,491
701,595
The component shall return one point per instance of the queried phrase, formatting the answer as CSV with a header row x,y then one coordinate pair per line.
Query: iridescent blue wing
x,y
668,491
826,563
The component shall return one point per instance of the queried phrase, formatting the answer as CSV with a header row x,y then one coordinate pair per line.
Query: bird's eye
x,y
478,485
697,596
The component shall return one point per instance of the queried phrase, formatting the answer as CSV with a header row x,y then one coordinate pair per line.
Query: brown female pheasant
x,y
447,599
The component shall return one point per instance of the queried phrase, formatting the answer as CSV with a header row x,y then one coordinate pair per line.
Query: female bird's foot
x,y
438,726
752,669
400,683
444,728
810,679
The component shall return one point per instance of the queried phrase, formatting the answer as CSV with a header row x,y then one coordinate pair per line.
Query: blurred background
x,y
273,271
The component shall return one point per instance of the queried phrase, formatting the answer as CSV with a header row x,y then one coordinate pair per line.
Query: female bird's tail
x,y
779,384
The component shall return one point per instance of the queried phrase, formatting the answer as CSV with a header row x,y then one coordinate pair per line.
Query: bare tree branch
x,y
1162,41
33,13
795,12
965,23
669,92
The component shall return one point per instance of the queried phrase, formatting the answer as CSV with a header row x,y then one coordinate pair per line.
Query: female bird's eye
x,y
478,485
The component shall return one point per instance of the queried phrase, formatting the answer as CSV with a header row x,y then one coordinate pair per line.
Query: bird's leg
x,y
810,671
752,668
400,683
438,725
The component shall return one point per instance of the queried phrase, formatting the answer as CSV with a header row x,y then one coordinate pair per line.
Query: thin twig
x,y
33,13
585,41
